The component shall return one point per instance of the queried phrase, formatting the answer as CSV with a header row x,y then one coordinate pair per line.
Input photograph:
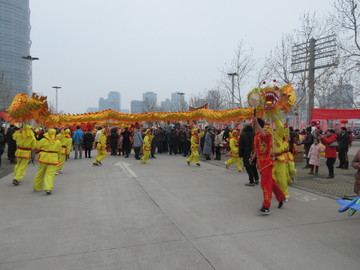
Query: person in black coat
x,y
114,136
2,142
245,152
11,144
307,142
159,139
88,143
343,148
126,142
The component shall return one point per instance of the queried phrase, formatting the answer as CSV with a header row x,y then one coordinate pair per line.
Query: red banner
x,y
206,106
328,114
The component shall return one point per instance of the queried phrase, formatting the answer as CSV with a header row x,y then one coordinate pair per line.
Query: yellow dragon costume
x,y
272,101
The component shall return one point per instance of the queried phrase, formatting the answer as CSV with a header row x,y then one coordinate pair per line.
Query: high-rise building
x,y
150,101
137,106
176,104
112,102
15,71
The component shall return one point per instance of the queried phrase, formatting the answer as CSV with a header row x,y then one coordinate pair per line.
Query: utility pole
x,y
56,98
232,75
304,58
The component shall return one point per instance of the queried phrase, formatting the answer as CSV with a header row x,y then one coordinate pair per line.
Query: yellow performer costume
x,y
280,171
234,151
290,163
25,141
194,141
66,142
146,146
50,150
101,149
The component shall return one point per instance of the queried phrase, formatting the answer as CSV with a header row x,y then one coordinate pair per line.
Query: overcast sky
x,y
91,47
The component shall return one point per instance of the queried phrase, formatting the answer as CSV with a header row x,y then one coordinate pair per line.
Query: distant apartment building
x,y
112,102
150,101
176,103
137,106
15,60
92,109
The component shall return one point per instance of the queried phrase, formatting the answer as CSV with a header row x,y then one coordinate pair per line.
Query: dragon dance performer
x,y
25,140
262,151
146,146
101,148
280,170
48,160
290,160
194,141
66,142
234,151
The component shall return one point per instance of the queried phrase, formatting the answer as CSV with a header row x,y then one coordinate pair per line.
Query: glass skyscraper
x,y
15,71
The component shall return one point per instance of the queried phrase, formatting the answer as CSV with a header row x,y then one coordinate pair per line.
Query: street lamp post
x,y
181,94
56,99
232,75
31,59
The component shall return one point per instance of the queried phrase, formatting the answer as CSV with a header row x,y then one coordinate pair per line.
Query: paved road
x,y
167,215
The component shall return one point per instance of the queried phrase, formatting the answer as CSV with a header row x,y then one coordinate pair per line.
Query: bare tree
x,y
197,100
346,19
278,65
241,65
215,99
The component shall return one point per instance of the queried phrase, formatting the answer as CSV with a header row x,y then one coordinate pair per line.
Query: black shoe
x,y
338,167
99,163
15,182
329,176
250,184
95,164
281,203
188,163
48,192
198,164
256,182
264,210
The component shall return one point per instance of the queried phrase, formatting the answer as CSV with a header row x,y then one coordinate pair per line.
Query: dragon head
x,y
272,98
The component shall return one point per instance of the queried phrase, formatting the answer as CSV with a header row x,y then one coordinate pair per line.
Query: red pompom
x,y
274,80
264,82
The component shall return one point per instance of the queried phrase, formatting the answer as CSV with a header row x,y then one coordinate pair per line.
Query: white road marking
x,y
125,167
302,197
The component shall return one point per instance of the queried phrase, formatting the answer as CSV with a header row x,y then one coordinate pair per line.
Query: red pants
x,y
269,186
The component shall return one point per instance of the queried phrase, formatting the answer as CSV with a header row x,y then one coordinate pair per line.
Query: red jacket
x,y
330,152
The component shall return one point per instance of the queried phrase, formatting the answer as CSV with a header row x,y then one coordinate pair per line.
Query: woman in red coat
x,y
330,150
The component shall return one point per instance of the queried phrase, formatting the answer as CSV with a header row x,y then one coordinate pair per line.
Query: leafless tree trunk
x,y
242,64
